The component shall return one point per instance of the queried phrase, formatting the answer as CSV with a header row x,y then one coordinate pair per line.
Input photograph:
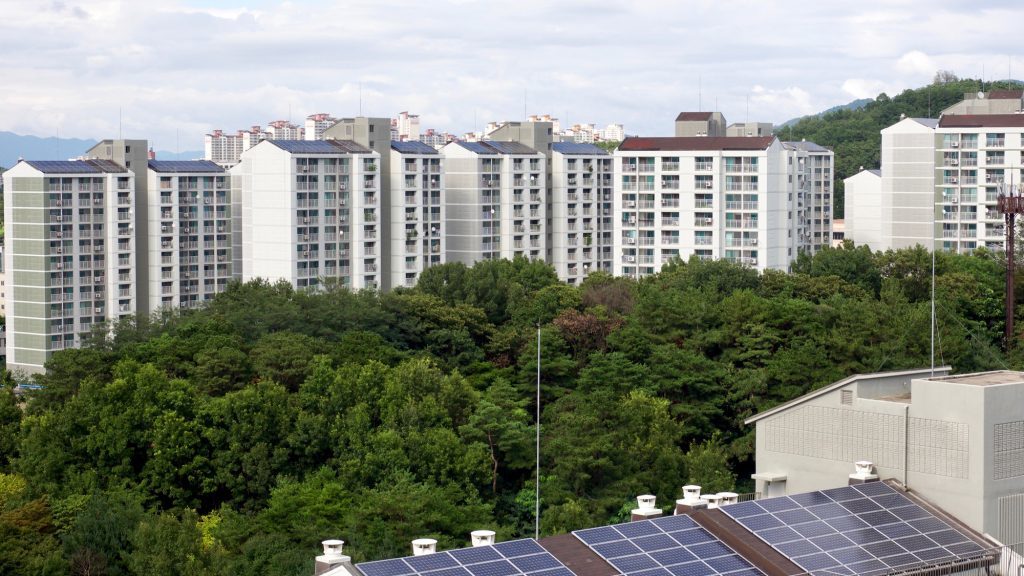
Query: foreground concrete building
x,y
69,254
956,440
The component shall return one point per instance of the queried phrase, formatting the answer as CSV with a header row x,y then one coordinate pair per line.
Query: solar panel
x,y
863,529
512,558
667,546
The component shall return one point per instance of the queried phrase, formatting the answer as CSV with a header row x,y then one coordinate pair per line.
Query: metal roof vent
x,y
424,546
728,498
481,537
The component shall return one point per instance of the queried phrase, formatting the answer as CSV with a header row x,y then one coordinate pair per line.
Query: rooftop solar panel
x,y
578,149
512,558
413,147
864,529
179,166
667,546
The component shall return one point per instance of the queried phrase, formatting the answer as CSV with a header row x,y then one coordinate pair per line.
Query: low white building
x,y
958,441
863,217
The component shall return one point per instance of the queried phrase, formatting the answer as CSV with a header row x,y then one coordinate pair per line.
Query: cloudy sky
x,y
172,70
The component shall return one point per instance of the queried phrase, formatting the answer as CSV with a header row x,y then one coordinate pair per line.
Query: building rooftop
x,y
982,121
806,146
578,148
180,166
1006,94
874,528
698,143
693,116
320,146
986,378
412,147
90,166
496,147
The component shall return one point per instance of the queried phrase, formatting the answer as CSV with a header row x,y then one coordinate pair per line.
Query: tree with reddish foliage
x,y
585,332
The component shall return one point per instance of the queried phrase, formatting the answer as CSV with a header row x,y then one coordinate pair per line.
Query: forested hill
x,y
855,136
232,439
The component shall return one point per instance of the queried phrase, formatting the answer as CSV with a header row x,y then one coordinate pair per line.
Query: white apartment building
x,y
812,172
224,149
417,215
863,218
940,179
70,254
408,126
496,201
316,124
977,158
188,254
736,198
612,133
284,130
308,211
581,210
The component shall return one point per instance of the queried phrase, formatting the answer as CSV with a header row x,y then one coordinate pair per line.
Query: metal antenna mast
x,y
1010,203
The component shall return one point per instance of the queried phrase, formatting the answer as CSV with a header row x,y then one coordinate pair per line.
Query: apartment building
x,y
188,259
408,126
736,198
317,124
812,172
417,215
496,201
863,221
941,179
226,149
581,206
690,124
977,158
308,211
70,254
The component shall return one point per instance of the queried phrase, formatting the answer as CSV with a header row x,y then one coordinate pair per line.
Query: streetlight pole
x,y
536,513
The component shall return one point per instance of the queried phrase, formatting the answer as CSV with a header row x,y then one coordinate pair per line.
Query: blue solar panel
x,y
855,530
578,148
744,509
513,558
668,546
412,147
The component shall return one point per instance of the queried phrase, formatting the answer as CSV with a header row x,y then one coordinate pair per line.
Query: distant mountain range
x,y
14,146
855,105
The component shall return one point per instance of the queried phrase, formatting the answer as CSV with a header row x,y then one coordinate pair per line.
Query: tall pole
x,y
1010,205
536,512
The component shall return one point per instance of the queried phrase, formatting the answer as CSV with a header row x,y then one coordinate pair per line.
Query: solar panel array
x,y
578,148
412,147
864,529
512,558
667,546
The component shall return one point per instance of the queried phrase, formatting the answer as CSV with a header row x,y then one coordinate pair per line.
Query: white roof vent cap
x,y
645,502
691,492
424,546
481,537
713,500
332,549
728,498
863,466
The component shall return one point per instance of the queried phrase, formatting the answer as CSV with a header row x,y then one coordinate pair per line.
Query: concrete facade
x,y
689,124
863,218
496,201
581,210
69,255
417,199
189,255
741,199
308,211
958,441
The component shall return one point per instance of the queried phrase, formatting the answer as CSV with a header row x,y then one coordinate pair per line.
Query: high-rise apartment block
x,y
308,211
940,179
417,215
408,126
188,254
496,201
742,199
70,254
316,124
581,206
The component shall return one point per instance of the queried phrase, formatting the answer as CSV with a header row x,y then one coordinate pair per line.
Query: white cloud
x,y
178,68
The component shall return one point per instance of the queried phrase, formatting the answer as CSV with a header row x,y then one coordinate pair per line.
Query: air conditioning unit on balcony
x,y
954,200
60,250
60,234
954,162
630,258
753,242
954,144
952,180
708,185
60,265
630,240
206,200
305,254
305,220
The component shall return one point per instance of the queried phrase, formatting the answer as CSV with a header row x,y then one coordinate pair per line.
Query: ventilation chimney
x,y
728,498
331,558
424,546
481,537
645,509
713,500
691,500
863,472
